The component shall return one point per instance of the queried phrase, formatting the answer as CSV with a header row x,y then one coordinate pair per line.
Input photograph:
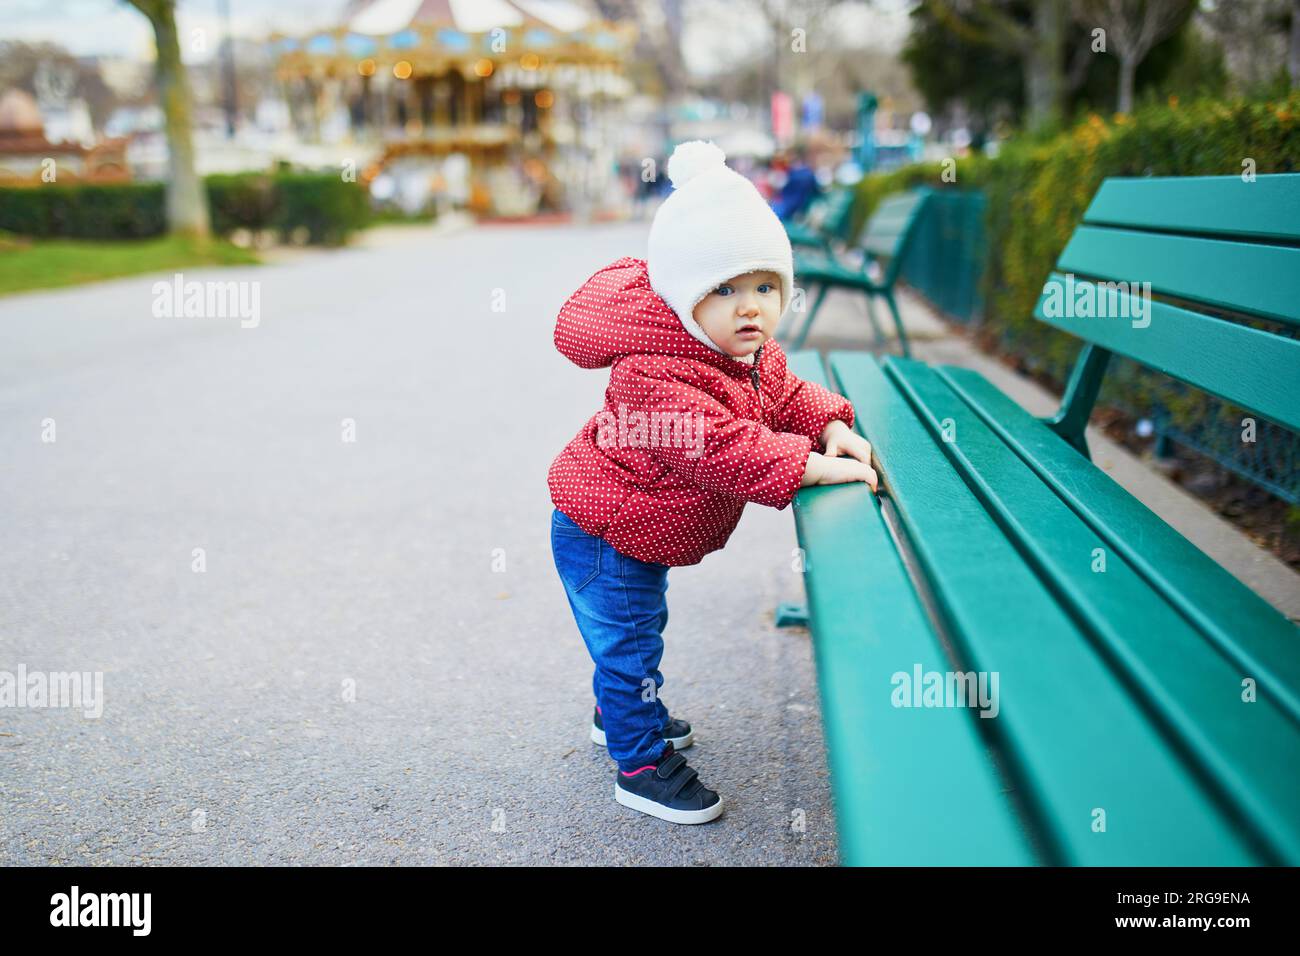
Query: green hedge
x,y
328,208
117,211
320,207
1036,194
240,201
323,206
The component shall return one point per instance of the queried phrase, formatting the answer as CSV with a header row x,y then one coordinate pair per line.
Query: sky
x,y
114,28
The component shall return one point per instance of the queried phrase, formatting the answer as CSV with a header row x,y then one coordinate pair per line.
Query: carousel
x,y
501,108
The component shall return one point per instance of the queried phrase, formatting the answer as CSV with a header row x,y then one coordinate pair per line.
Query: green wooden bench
x,y
1126,658
884,242
827,221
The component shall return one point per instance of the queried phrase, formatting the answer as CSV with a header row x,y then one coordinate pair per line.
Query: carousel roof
x,y
377,17
424,31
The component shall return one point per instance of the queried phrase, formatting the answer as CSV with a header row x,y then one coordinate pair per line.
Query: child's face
x,y
741,314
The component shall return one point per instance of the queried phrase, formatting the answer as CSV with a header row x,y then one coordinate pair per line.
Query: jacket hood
x,y
616,313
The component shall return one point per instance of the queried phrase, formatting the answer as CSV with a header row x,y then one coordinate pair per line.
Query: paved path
x,y
225,735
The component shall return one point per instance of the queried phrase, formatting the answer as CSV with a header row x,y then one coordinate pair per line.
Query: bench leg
x,y
1071,421
812,314
791,614
875,322
1164,445
898,324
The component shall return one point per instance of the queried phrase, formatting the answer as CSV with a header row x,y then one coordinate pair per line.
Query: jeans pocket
x,y
563,524
577,557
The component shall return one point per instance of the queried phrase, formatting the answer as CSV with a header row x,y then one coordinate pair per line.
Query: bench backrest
x,y
1218,251
891,227
833,214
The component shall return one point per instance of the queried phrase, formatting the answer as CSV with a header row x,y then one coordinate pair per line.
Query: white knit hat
x,y
714,225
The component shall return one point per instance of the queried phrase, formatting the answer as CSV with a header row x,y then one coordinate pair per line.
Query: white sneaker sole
x,y
679,743
666,813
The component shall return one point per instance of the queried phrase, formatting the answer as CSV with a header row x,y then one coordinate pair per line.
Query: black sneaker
x,y
678,732
669,790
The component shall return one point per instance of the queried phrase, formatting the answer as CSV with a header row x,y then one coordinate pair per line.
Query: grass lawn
x,y
49,263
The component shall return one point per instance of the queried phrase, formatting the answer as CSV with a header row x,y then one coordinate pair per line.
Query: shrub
x,y
89,211
328,209
326,206
1036,192
241,201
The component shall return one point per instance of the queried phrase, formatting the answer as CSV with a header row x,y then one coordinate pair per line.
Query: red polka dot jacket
x,y
687,434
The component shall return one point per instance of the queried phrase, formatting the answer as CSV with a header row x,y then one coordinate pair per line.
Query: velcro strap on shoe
x,y
684,778
670,766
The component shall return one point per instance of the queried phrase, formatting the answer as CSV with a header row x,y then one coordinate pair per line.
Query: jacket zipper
x,y
753,377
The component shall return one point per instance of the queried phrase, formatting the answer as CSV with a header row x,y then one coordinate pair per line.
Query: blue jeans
x,y
621,612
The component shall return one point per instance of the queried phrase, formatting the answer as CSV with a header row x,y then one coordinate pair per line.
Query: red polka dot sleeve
x,y
806,408
737,456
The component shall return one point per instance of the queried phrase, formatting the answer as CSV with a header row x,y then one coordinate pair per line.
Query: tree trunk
x,y
1293,60
187,203
1127,71
1044,65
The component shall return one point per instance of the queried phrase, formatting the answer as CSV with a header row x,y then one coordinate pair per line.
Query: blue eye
x,y
765,287
724,286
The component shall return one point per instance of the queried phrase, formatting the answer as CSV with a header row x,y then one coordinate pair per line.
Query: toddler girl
x,y
701,416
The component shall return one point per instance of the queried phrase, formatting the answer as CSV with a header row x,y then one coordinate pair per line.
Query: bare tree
x,y
1040,45
796,56
659,38
1132,28
1254,37
187,205
1293,56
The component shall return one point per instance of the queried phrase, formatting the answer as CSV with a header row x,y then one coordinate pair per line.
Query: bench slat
x,y
1065,760
890,223
812,270
900,204
893,217
828,217
881,237
1268,208
807,365
1255,278
892,768
1249,367
1267,648
885,248
1240,747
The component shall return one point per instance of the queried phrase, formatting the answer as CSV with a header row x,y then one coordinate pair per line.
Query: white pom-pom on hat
x,y
690,159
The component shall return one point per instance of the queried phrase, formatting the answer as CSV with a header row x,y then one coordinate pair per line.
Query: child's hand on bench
x,y
836,471
839,439
830,469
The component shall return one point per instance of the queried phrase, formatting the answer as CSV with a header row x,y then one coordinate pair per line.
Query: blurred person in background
x,y
800,187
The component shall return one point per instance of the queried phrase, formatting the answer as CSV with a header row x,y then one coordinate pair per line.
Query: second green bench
x,y
884,243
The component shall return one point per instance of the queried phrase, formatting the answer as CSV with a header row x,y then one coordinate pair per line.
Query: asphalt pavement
x,y
310,558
